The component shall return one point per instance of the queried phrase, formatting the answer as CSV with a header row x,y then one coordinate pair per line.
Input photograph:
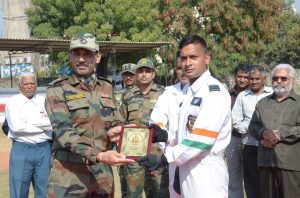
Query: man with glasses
x,y
241,115
276,124
82,112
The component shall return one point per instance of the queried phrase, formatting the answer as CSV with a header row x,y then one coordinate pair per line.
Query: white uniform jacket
x,y
166,112
166,115
204,133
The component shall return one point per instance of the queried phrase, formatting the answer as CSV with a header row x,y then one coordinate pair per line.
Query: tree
x,y
237,31
286,47
108,20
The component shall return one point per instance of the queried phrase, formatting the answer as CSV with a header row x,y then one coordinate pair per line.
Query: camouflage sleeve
x,y
123,108
64,132
118,118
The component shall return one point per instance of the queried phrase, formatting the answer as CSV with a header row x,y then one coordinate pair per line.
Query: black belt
x,y
235,133
71,157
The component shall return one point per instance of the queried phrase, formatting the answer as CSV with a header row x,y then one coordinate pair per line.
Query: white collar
x,y
24,99
200,81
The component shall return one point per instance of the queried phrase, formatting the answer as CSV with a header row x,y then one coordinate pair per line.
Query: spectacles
x,y
282,78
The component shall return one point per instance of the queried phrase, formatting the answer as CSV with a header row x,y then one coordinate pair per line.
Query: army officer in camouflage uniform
x,y
82,111
137,105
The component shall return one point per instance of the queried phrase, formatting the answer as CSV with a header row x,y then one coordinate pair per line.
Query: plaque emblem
x,y
190,123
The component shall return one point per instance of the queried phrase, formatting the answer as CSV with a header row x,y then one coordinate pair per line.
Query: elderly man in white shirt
x,y
31,134
242,111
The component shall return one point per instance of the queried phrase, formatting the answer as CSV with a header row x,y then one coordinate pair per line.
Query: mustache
x,y
279,86
81,64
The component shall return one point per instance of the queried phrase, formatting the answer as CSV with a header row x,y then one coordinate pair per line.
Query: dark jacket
x,y
5,127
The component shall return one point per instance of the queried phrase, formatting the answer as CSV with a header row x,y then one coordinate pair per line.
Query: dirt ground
x,y
5,145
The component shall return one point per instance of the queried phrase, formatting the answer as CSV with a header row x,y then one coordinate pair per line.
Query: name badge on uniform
x,y
190,123
76,96
196,101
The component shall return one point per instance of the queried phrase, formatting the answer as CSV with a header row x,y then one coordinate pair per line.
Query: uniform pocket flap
x,y
78,104
133,107
107,102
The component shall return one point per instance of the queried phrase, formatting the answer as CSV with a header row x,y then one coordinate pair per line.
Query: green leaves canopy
x,y
236,31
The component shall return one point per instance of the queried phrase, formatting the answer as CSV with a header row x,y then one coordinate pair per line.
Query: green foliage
x,y
116,20
286,47
51,72
109,20
236,31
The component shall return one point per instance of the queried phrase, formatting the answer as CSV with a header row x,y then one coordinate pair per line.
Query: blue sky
x,y
297,5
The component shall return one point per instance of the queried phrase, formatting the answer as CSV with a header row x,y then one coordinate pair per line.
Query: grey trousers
x,y
235,167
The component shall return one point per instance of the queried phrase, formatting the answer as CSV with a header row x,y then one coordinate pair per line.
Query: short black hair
x,y
193,39
245,67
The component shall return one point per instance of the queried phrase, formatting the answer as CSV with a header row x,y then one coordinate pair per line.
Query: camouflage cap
x,y
84,40
144,62
128,67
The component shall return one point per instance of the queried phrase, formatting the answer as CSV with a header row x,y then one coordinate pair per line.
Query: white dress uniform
x,y
204,133
166,115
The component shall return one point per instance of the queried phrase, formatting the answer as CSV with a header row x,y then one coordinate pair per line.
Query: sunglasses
x,y
282,78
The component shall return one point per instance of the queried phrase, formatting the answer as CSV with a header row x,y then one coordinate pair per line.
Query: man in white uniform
x,y
204,128
166,114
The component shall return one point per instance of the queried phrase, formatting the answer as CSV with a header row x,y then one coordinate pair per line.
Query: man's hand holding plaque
x,y
135,142
159,134
153,162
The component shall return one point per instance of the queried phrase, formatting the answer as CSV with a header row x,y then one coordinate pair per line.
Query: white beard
x,y
283,91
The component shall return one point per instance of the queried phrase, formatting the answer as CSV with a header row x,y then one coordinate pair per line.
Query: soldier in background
x,y
137,105
129,80
82,112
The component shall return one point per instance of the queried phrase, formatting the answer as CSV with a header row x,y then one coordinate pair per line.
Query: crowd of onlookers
x,y
65,143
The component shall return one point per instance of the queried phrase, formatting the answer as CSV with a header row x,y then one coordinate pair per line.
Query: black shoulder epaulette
x,y
101,78
57,81
214,88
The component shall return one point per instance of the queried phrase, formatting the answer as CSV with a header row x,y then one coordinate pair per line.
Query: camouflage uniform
x,y
136,108
126,68
80,115
118,96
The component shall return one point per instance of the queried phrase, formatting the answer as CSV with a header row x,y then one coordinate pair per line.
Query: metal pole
x,y
10,69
